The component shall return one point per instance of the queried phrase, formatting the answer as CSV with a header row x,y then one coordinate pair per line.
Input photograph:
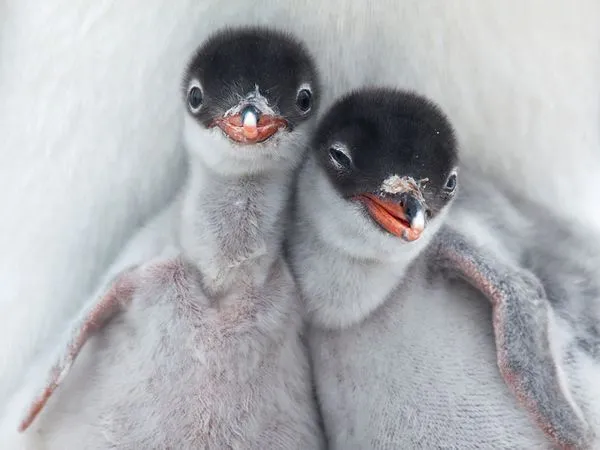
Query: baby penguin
x,y
200,347
372,250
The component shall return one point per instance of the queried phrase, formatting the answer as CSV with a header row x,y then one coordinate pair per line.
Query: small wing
x,y
520,320
94,316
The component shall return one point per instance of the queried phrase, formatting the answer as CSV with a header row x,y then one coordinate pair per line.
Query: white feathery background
x,y
89,116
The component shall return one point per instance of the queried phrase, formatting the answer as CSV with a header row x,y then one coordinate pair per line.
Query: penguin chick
x,y
385,164
200,347
372,204
247,88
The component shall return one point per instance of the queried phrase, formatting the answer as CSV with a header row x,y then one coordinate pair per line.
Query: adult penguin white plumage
x,y
404,355
200,347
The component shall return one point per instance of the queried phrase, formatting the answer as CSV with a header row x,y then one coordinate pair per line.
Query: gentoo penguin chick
x,y
368,239
201,348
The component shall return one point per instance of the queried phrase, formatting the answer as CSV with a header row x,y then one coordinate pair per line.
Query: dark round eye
x,y
195,98
304,100
450,183
340,157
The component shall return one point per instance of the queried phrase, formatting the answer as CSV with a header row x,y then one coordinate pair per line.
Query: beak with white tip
x,y
402,213
249,125
414,212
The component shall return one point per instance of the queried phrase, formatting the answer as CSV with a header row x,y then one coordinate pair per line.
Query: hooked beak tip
x,y
417,222
250,119
249,125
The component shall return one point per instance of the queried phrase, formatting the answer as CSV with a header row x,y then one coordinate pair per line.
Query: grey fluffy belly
x,y
419,373
141,384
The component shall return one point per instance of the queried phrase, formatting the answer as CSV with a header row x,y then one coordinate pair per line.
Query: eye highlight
x,y
340,156
304,99
195,98
451,183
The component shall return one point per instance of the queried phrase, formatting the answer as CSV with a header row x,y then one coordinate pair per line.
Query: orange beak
x,y
392,217
247,128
